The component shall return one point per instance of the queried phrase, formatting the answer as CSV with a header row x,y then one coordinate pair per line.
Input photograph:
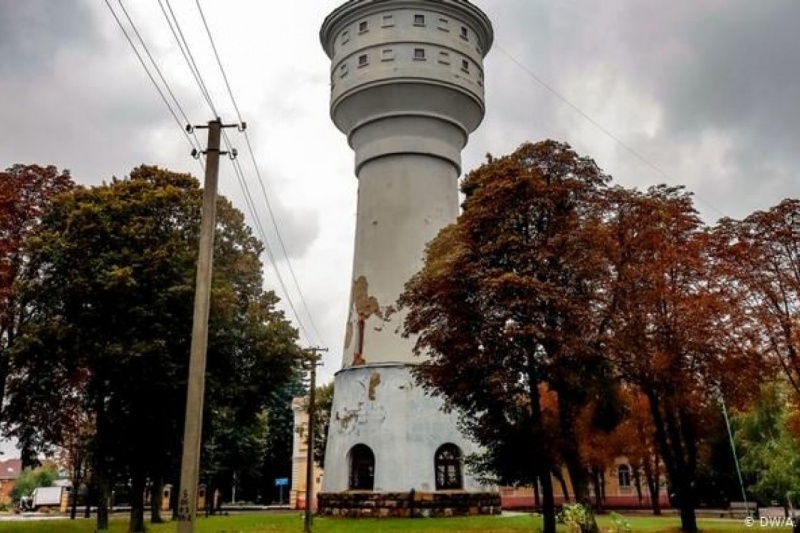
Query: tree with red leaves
x,y
762,258
504,304
676,334
25,193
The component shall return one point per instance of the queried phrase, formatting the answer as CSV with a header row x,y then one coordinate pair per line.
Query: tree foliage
x,y
762,254
770,453
322,420
33,478
25,193
551,291
503,304
110,293
674,330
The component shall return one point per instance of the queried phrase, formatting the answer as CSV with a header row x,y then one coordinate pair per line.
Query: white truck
x,y
46,497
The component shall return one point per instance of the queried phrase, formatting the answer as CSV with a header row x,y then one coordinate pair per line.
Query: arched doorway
x,y
362,468
448,467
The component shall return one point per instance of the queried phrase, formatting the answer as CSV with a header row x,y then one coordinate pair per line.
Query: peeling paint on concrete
x,y
350,415
374,381
365,304
404,428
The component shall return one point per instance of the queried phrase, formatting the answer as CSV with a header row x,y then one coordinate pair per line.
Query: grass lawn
x,y
293,523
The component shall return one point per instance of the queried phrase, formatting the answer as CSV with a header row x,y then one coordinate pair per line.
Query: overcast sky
x,y
704,93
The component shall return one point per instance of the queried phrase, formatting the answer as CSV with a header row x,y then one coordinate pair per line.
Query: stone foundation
x,y
357,504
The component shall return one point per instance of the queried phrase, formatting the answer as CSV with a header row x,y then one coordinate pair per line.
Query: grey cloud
x,y
299,228
32,32
723,69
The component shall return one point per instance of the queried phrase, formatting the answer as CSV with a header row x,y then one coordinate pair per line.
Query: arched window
x,y
362,468
624,475
448,467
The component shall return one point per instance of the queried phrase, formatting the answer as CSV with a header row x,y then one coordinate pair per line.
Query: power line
x,y
187,54
153,61
189,58
147,71
160,75
183,44
597,125
219,62
251,206
261,182
280,237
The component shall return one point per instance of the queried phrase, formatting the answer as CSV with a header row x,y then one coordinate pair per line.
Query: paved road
x,y
30,516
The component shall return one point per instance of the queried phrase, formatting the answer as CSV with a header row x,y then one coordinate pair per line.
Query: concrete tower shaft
x,y
407,90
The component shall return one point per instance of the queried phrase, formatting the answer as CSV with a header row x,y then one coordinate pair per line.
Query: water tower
x,y
407,88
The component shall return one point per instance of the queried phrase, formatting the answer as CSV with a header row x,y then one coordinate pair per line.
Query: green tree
x,y
324,401
32,478
25,193
278,453
111,288
504,303
770,453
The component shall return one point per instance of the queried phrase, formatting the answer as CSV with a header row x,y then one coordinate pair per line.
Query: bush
x,y
44,476
575,517
619,524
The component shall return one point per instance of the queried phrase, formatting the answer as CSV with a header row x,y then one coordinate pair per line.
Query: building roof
x,y
10,468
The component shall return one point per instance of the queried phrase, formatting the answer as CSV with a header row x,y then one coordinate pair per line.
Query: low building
x,y
297,493
618,490
10,470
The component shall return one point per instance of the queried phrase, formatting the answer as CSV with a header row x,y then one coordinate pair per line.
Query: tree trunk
x,y
561,481
637,484
688,518
602,490
540,457
570,452
668,437
598,492
157,500
102,501
173,500
591,522
653,483
77,463
537,501
548,503
136,524
100,468
4,365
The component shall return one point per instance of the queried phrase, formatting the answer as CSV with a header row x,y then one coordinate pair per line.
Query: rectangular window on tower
x,y
387,54
444,24
465,65
419,20
363,60
444,58
419,54
363,26
388,21
464,33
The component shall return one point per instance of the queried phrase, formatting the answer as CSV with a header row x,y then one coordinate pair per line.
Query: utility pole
x,y
190,461
312,396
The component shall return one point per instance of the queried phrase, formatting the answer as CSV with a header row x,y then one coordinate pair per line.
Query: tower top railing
x,y
350,11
